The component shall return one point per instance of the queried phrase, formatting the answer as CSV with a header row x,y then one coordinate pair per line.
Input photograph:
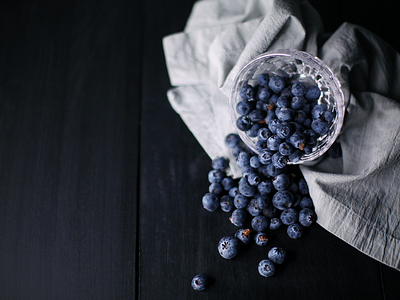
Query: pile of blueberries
x,y
265,198
283,116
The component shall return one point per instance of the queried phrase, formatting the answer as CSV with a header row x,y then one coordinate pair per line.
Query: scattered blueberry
x,y
238,217
210,201
199,282
307,217
266,268
277,255
295,231
261,239
228,247
260,223
244,235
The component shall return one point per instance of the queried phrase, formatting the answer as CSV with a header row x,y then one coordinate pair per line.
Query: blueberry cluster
x,y
265,198
284,117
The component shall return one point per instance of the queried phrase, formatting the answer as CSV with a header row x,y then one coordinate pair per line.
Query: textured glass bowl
x,y
302,66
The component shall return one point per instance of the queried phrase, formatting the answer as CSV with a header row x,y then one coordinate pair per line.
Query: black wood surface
x,y
101,181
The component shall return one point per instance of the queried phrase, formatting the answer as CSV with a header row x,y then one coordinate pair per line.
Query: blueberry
x,y
228,247
297,102
295,156
266,268
215,176
247,170
261,144
246,92
303,187
286,149
260,223
307,122
227,183
298,89
283,130
273,99
265,187
329,116
320,126
307,217
287,91
279,161
254,179
252,132
297,140
210,201
244,107
306,202
308,148
238,217
293,188
232,140
257,115
273,143
312,93
273,171
216,188
265,156
263,79
243,235
300,116
263,93
271,212
263,134
240,201
277,84
236,150
295,231
281,182
289,216
219,163
272,125
285,114
275,223
261,239
199,282
310,136
283,199
233,191
254,162
318,111
226,203
244,123
243,159
261,105
246,189
262,200
283,101
277,255
252,208
270,116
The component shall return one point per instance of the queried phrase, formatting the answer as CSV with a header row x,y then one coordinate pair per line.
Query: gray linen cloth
x,y
356,197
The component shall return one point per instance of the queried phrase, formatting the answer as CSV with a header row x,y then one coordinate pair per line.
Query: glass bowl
x,y
300,66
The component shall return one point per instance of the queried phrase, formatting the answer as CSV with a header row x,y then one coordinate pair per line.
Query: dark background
x,y
101,181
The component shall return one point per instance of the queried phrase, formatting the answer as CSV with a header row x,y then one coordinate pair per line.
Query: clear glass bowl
x,y
301,66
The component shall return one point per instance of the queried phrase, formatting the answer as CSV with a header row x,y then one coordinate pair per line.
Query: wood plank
x,y
69,150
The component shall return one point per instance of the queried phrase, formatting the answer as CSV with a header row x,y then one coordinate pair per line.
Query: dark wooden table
x,y
101,181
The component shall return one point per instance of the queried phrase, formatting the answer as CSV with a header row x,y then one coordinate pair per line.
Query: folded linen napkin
x,y
356,197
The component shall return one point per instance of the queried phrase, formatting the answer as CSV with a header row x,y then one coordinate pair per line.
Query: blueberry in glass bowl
x,y
289,103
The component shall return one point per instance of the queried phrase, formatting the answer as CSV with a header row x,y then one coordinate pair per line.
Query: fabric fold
x,y
356,197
